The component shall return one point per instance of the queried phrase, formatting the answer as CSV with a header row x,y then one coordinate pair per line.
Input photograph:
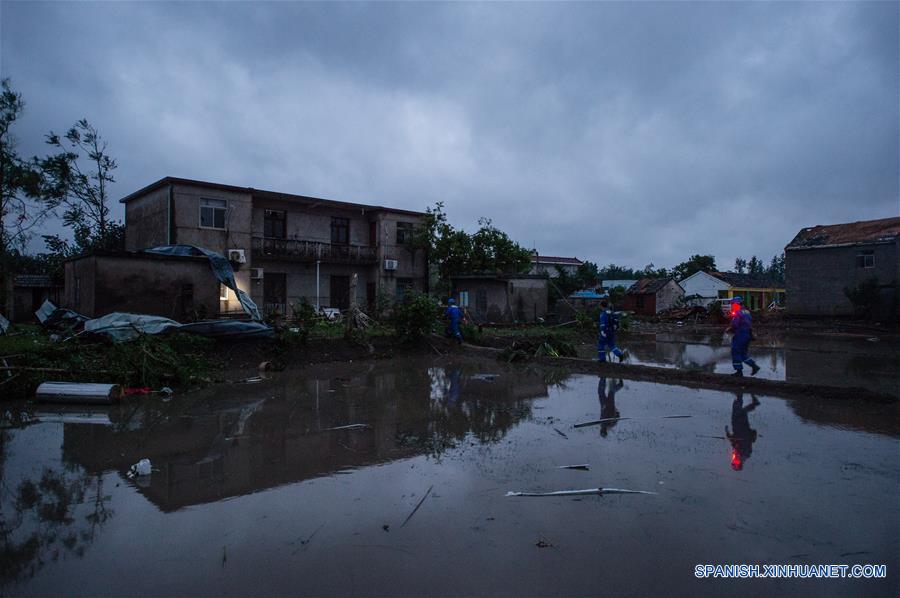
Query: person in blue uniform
x,y
741,329
453,315
608,323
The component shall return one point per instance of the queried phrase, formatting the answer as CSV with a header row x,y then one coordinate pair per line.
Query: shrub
x,y
415,317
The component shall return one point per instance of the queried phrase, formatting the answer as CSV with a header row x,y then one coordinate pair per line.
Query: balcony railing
x,y
310,251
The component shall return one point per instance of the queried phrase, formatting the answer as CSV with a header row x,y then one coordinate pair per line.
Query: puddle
x,y
847,362
252,493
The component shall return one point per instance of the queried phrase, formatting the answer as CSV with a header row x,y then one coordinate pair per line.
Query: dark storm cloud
x,y
622,133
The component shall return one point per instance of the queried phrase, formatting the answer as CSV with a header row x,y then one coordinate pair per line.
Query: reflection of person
x,y
453,315
453,390
607,396
742,436
608,323
741,328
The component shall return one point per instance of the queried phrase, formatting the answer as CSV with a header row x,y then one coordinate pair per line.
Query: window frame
x,y
339,223
224,209
464,298
865,259
405,230
283,220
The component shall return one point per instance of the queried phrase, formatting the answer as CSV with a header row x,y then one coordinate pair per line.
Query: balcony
x,y
311,251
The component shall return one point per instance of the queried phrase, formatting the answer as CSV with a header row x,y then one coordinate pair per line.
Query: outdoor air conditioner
x,y
390,264
256,273
237,256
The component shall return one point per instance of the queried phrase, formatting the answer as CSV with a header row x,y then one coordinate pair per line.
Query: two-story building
x,y
285,247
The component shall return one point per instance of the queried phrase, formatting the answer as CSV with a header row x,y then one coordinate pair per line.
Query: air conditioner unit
x,y
390,264
256,273
237,256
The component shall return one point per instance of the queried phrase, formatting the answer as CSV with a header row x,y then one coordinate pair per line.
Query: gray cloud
x,y
616,132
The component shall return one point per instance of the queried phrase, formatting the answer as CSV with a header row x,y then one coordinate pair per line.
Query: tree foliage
x,y
694,264
453,251
77,178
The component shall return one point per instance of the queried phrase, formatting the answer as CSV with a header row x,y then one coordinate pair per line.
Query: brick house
x,y
649,296
284,247
821,261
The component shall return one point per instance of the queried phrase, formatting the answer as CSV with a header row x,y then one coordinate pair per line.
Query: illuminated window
x,y
212,213
464,298
223,292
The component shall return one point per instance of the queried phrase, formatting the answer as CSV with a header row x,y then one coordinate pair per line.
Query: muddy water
x,y
803,359
252,493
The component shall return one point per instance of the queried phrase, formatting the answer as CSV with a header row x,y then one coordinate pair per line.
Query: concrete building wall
x,y
668,296
147,220
171,287
815,278
704,285
528,298
503,300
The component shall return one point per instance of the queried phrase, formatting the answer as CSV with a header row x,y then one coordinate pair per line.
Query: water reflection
x,y
232,441
606,392
741,435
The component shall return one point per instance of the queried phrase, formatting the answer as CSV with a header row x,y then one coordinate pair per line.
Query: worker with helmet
x,y
741,329
608,323
453,315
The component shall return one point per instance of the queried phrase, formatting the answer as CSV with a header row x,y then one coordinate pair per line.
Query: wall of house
x,y
27,300
300,279
141,285
310,222
528,298
410,264
668,296
704,285
815,278
147,220
643,304
495,308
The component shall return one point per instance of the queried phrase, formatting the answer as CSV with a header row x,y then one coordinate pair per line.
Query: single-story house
x,y
702,288
608,285
178,287
549,265
821,261
25,293
502,298
757,290
649,296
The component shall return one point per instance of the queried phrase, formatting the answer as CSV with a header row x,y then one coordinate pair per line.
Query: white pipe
x,y
317,281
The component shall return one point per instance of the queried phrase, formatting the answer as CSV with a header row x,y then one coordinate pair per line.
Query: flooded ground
x,y
252,492
801,359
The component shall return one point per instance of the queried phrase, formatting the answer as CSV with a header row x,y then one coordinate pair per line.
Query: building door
x,y
340,292
274,292
370,297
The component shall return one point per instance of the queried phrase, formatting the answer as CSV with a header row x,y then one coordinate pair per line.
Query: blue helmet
x,y
737,299
451,301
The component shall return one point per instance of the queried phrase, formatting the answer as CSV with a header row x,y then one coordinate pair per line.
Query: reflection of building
x,y
821,261
240,439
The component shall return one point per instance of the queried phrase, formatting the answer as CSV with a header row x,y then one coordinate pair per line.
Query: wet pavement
x,y
796,358
252,493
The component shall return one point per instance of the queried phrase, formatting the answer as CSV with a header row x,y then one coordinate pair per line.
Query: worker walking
x,y
453,315
608,323
741,329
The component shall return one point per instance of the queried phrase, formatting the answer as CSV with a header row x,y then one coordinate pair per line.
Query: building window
x,y
639,301
274,224
340,231
865,259
464,298
723,294
223,292
404,232
212,213
404,286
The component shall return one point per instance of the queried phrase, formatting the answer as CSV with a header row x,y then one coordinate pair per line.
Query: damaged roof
x,y
865,232
648,286
748,281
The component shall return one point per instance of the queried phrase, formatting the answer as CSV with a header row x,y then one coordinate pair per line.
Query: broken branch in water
x,y
615,419
408,517
589,491
349,427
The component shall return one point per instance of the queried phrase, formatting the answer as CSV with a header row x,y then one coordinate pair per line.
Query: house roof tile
x,y
850,233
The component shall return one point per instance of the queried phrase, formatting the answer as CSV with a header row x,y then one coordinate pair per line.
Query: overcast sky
x,y
624,133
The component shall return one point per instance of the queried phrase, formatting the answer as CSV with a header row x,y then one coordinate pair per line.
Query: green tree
x,y
651,271
776,268
740,265
78,178
614,272
694,264
589,275
755,266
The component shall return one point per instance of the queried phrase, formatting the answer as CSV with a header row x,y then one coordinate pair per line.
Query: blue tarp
x,y
120,327
221,267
